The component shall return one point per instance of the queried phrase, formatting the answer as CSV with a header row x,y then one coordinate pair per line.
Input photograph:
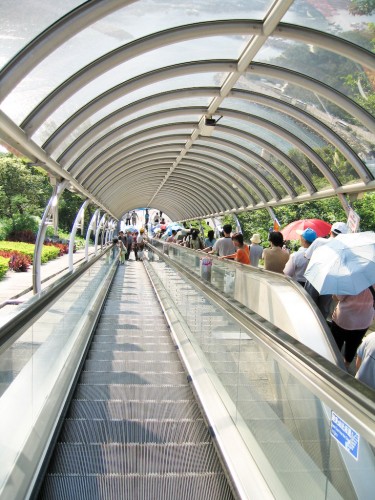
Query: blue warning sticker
x,y
345,435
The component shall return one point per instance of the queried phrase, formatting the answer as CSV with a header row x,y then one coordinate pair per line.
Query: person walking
x,y
127,219
256,250
297,263
141,243
134,218
365,361
242,253
172,237
351,318
224,246
128,244
275,257
210,241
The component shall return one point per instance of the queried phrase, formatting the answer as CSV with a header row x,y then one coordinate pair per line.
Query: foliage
x,y
24,189
4,266
48,252
69,205
25,236
63,247
361,7
365,208
19,262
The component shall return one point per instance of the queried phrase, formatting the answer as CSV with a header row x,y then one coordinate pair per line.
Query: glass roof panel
x,y
52,72
300,160
295,127
22,20
251,162
182,82
346,19
169,105
352,132
92,152
334,70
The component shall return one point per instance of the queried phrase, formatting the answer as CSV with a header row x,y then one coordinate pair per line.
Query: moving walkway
x,y
192,395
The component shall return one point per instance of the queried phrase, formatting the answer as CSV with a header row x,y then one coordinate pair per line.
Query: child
x,y
118,244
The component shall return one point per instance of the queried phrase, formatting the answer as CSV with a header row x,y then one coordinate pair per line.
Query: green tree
x,y
361,7
24,189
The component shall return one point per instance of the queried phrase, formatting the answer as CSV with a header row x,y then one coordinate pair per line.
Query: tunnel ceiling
x,y
195,108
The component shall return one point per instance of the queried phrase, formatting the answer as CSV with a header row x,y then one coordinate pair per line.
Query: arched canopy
x,y
197,108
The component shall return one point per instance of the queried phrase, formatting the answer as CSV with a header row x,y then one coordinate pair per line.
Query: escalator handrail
x,y
18,323
342,392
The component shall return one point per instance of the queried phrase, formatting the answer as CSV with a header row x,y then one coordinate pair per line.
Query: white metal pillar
x,y
78,222
92,227
99,227
45,222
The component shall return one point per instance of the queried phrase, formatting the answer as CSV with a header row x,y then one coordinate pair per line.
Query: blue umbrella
x,y
132,229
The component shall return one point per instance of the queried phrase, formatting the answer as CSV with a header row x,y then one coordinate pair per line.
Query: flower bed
x,y
48,252
4,266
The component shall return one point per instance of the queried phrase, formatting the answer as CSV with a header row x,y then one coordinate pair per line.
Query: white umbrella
x,y
345,265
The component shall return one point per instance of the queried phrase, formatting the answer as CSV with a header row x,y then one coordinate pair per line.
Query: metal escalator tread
x,y
133,429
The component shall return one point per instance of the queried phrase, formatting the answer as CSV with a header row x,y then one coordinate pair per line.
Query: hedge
x,y
48,252
4,266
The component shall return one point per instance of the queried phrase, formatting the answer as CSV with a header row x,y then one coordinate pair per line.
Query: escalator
x,y
133,428
143,382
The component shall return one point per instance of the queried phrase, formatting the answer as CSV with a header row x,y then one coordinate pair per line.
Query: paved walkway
x,y
18,286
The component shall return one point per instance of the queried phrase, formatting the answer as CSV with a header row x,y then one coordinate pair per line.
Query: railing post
x,y
45,222
78,220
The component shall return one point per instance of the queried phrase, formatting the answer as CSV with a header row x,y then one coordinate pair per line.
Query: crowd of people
x,y
128,242
349,316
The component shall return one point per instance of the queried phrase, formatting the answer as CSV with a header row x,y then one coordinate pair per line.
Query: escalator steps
x,y
138,487
134,430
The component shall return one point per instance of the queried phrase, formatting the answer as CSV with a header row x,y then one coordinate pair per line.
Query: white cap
x,y
339,228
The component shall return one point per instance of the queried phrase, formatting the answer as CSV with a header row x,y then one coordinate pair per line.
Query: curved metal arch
x,y
69,152
318,87
312,122
174,200
159,75
134,173
140,178
214,173
93,177
139,147
155,156
174,197
145,44
191,193
326,41
191,179
211,165
214,200
105,156
158,170
195,186
67,128
298,143
301,176
262,99
52,37
282,157
269,101
263,180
